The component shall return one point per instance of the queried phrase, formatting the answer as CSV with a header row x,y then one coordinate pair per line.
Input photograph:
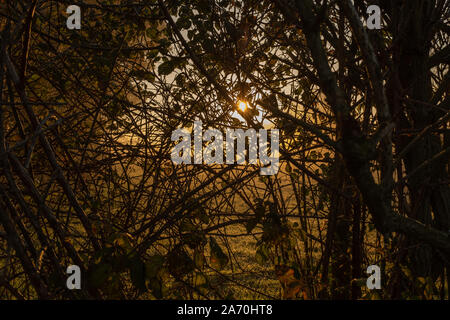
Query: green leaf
x,y
143,75
199,258
180,79
218,258
262,255
193,239
199,280
166,68
179,262
183,23
122,240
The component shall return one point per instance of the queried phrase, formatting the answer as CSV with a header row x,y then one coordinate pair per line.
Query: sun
x,y
242,105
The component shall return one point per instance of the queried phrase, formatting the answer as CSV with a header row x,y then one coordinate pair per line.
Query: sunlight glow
x,y
242,105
